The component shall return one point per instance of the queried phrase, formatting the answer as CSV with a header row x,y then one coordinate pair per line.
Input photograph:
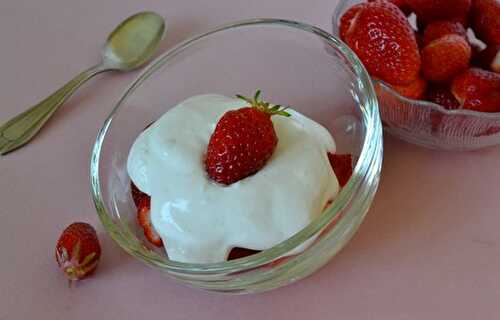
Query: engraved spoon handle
x,y
22,128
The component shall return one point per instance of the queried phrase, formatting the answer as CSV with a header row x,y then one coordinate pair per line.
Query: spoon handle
x,y
22,128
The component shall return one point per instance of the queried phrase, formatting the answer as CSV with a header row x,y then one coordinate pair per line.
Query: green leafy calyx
x,y
271,109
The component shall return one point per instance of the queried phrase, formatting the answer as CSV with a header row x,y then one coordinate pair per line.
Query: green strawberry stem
x,y
263,106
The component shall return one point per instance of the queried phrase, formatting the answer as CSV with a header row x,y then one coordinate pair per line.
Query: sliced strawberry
x,y
385,42
486,20
433,10
342,166
137,195
437,29
414,90
478,89
237,253
144,220
445,57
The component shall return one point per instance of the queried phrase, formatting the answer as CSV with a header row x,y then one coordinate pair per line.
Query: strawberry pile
x,y
438,62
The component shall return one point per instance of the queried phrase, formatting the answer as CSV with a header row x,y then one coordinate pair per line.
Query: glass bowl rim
x,y
337,13
367,155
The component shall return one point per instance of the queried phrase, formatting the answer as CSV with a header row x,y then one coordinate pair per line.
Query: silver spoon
x,y
129,46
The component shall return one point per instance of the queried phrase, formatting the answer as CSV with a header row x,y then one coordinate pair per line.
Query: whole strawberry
x,y
445,57
432,10
486,20
383,39
440,28
347,19
478,90
442,95
414,90
242,141
78,250
401,4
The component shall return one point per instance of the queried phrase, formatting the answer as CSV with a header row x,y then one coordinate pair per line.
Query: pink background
x,y
429,248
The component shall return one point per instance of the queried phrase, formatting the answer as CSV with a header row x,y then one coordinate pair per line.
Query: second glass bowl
x,y
294,64
425,123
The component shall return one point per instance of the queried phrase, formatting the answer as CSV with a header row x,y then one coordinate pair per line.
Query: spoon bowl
x,y
134,41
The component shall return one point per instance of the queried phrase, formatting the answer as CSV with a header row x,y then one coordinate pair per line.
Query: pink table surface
x,y
429,248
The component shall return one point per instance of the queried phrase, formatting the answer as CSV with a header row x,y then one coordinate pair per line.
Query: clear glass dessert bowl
x,y
426,123
293,63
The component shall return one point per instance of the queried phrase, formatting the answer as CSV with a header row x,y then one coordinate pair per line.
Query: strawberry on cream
x,y
199,220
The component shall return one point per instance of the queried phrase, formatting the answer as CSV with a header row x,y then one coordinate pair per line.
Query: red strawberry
x,y
242,141
442,96
414,90
347,19
486,20
78,251
445,57
478,89
342,166
144,220
237,253
385,42
432,10
440,28
137,195
489,58
401,4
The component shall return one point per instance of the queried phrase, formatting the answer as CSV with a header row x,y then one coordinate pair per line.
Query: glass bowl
x,y
293,63
425,123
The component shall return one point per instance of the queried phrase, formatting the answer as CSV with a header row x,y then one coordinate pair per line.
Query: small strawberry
x,y
137,195
342,166
478,89
401,4
347,19
144,220
442,96
489,58
78,251
414,90
432,10
445,57
385,42
486,20
242,141
440,28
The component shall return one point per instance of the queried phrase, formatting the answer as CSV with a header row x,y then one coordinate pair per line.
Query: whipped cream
x,y
201,221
